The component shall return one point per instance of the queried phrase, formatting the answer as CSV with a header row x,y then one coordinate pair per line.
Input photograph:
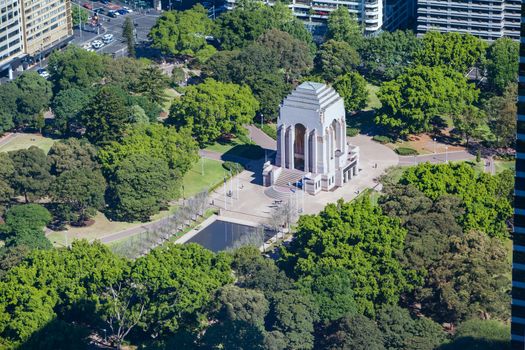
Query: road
x,y
436,158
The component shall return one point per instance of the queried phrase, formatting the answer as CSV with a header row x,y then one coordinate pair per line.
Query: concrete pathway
x,y
436,158
260,138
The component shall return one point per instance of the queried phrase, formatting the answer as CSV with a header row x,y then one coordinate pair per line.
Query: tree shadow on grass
x,y
471,343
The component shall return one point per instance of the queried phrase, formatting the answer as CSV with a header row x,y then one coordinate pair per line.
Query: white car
x,y
107,38
43,73
128,9
97,44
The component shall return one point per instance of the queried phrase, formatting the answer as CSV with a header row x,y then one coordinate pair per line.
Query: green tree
x,y
501,112
336,58
212,109
413,99
152,84
472,278
343,26
293,55
332,293
480,335
139,187
253,271
79,15
250,19
403,332
56,283
238,320
184,33
35,96
452,50
138,115
107,116
80,193
192,271
503,62
353,90
9,94
371,242
177,149
25,226
6,122
469,123
293,315
128,35
7,169
68,106
72,154
387,55
31,177
354,332
485,198
75,67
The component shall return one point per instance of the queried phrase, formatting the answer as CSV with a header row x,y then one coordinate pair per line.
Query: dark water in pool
x,y
224,235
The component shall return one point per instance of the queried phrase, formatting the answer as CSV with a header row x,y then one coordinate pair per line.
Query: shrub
x,y
234,167
351,132
382,139
406,151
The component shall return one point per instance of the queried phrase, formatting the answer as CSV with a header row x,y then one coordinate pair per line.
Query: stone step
x,y
288,176
278,193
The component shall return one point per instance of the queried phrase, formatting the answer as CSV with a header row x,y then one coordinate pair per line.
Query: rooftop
x,y
313,96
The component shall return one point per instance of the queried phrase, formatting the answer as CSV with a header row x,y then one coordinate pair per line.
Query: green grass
x,y
224,146
373,100
502,165
239,147
195,182
21,141
270,130
171,94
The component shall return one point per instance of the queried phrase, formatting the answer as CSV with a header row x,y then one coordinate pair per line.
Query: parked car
x,y
88,6
107,38
105,2
99,10
113,14
127,9
97,44
43,73
122,11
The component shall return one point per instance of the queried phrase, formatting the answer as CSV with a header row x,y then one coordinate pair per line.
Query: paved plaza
x,y
250,203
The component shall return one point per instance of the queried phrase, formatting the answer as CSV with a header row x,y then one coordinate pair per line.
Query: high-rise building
x,y
398,14
31,29
11,41
316,12
486,19
518,256
47,23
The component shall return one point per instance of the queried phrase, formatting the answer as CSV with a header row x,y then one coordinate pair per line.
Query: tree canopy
x,y
213,109
503,62
357,237
413,99
336,58
352,88
343,26
184,33
459,52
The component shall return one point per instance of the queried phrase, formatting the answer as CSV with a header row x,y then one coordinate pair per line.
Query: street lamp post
x,y
446,154
262,120
434,145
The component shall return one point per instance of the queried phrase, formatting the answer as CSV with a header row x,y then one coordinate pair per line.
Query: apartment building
x,y
30,29
315,12
11,40
518,256
399,14
486,19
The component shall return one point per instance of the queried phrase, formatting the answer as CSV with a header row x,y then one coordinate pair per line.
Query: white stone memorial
x,y
311,141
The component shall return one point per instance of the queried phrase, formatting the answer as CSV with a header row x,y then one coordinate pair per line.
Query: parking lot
x,y
142,19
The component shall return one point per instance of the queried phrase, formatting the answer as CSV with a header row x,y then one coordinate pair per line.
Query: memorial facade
x,y
311,141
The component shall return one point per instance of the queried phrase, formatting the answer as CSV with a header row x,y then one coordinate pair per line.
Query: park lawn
x,y
502,165
195,182
373,100
171,94
102,227
224,146
22,140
